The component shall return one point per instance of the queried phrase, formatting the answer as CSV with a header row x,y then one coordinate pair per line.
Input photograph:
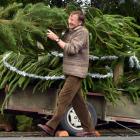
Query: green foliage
x,y
131,82
23,31
122,7
72,6
43,66
24,123
112,34
5,3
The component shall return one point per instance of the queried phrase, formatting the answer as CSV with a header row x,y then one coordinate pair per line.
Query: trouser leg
x,y
80,107
66,95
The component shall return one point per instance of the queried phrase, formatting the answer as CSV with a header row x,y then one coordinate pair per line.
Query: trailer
x,y
45,104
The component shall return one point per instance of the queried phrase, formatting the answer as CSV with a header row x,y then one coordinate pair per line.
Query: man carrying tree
x,y
75,67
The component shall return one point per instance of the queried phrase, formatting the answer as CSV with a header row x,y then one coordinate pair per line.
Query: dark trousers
x,y
71,94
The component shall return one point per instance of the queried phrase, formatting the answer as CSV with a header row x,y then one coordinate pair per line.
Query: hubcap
x,y
73,120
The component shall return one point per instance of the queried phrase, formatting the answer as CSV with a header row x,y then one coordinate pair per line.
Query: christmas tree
x,y
28,56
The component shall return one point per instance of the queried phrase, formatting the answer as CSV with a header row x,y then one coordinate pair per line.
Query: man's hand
x,y
51,35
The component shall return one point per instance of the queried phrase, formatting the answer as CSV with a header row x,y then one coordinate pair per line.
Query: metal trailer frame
x,y
45,103
124,110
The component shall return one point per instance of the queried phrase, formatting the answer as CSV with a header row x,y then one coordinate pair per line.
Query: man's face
x,y
73,21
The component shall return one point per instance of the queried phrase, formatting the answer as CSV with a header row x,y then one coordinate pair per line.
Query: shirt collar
x,y
76,28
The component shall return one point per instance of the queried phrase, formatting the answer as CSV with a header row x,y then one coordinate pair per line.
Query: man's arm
x,y
55,38
61,43
77,43
73,47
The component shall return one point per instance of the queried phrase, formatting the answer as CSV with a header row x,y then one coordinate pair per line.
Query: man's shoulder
x,y
84,29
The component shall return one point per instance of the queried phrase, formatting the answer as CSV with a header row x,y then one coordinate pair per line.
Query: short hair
x,y
81,16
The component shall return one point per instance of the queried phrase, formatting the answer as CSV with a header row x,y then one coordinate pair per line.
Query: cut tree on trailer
x,y
31,63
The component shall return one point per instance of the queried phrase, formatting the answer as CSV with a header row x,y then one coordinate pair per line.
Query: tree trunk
x,y
118,73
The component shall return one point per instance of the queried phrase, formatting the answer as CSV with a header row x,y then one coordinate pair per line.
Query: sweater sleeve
x,y
77,43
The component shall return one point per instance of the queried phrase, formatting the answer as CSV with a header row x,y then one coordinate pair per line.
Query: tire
x,y
71,123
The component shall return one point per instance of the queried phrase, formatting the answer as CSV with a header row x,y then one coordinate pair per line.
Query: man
x,y
75,68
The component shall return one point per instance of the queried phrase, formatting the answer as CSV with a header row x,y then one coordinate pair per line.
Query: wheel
x,y
71,122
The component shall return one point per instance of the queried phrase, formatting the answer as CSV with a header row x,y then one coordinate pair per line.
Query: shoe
x,y
47,129
88,134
